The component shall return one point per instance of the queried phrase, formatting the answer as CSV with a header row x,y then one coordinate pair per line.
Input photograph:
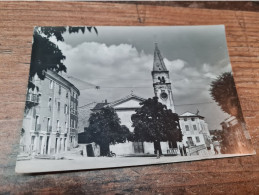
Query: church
x,y
194,128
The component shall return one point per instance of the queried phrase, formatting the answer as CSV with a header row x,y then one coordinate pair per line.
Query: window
x,y
66,126
57,125
76,96
185,119
58,106
67,95
59,89
72,124
187,127
32,142
65,109
49,103
194,127
36,123
190,141
51,84
163,80
48,125
198,139
193,119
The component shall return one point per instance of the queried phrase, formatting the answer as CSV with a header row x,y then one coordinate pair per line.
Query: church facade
x,y
125,107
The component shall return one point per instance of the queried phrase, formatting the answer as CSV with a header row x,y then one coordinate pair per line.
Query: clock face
x,y
163,95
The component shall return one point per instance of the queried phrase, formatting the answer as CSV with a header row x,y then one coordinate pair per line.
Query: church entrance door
x,y
138,147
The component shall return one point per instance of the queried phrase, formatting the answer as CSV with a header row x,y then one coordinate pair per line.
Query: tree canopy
x,y
105,128
153,122
223,91
46,55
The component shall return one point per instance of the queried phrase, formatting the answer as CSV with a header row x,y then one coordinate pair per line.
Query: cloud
x,y
174,65
120,68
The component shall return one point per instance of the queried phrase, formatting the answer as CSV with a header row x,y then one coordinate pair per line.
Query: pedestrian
x,y
184,150
216,151
181,150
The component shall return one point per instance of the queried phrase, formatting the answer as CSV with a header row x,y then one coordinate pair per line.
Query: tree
x,y
153,122
223,91
105,129
46,55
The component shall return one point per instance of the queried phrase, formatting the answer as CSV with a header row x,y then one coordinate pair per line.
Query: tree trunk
x,y
104,149
157,147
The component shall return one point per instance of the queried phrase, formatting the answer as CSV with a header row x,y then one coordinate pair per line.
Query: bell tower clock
x,y
161,81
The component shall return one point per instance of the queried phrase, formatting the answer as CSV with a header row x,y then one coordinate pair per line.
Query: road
x,y
84,163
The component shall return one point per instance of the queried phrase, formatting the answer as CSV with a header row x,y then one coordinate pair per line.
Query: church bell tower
x,y
161,81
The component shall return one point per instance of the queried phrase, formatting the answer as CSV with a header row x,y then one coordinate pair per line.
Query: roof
x,y
189,114
126,98
99,106
58,78
158,64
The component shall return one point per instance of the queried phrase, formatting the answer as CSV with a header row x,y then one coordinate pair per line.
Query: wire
x,y
87,104
194,103
130,87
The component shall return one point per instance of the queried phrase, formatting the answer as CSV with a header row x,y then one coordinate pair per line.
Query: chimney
x,y
105,101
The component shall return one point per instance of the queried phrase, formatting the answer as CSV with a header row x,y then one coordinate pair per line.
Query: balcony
x,y
73,130
32,98
73,111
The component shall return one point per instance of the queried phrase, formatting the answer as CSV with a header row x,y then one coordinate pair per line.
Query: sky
x,y
120,61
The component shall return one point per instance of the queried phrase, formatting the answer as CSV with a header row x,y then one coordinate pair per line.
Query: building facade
x,y
196,135
50,117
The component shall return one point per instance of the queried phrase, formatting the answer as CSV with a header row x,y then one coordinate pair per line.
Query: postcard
x,y
119,96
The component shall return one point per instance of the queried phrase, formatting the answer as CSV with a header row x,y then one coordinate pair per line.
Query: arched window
x,y
163,80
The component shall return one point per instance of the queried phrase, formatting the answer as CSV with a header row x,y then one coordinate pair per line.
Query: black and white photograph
x,y
118,96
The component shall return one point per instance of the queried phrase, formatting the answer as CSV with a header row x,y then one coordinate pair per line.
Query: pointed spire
x,y
158,64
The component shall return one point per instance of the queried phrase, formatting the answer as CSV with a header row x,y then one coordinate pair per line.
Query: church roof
x,y
124,99
99,106
158,64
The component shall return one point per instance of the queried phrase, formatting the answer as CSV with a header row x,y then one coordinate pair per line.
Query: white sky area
x,y
120,60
